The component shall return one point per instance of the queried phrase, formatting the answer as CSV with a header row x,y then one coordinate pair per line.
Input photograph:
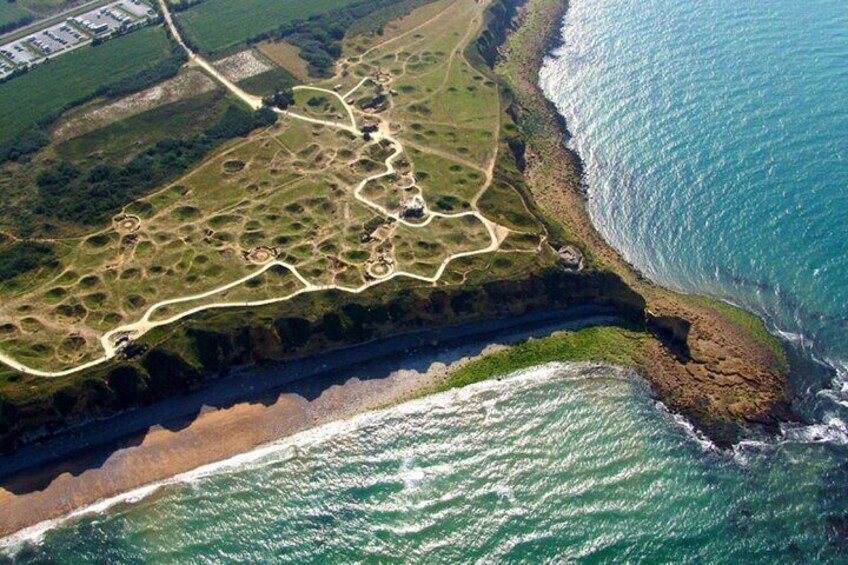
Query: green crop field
x,y
382,16
45,6
218,24
49,88
11,14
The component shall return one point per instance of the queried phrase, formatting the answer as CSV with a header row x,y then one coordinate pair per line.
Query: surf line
x,y
298,444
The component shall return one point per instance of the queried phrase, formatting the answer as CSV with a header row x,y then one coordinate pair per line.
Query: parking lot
x,y
73,32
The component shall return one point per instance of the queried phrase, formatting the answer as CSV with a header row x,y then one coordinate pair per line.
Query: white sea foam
x,y
831,430
840,379
743,449
291,446
795,337
691,431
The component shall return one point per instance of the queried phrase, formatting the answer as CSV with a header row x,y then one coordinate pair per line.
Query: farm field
x,y
307,204
286,56
218,24
108,133
11,14
52,87
45,6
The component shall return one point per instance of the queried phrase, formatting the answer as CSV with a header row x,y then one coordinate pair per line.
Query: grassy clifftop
x,y
616,345
715,363
712,362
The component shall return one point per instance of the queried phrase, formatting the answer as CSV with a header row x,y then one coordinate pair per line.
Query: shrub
x,y
92,196
24,256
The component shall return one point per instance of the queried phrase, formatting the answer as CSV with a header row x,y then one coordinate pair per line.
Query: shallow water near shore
x,y
567,461
714,137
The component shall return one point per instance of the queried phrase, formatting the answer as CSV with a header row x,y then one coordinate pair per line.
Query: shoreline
x,y
288,446
718,366
277,402
796,359
233,415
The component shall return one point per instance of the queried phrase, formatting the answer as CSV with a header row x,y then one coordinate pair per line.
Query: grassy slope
x,y
604,344
218,24
50,87
114,142
11,13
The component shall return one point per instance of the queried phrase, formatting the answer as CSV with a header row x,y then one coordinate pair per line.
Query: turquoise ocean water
x,y
714,135
715,140
554,464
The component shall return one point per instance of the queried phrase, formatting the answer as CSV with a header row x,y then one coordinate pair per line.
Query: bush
x,y
26,144
23,257
92,196
281,99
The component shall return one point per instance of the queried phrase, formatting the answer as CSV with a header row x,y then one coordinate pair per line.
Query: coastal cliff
x,y
708,361
178,360
712,362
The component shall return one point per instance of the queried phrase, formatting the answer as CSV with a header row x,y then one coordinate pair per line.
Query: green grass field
x,y
45,6
218,24
53,86
11,14
609,344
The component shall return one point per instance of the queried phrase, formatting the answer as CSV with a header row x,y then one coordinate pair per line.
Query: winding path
x,y
110,341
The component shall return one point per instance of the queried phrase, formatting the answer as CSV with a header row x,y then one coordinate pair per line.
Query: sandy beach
x,y
247,409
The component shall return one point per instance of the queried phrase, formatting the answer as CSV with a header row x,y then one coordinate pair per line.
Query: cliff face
x,y
703,363
184,361
499,20
713,363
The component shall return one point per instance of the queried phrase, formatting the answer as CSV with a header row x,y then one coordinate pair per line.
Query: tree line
x,y
92,195
320,37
